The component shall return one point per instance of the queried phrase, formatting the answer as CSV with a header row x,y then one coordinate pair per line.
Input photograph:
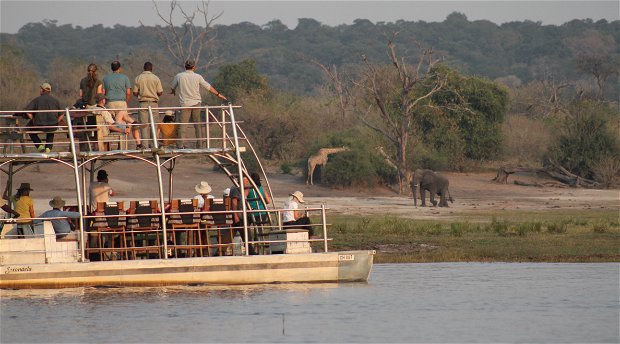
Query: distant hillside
x,y
524,50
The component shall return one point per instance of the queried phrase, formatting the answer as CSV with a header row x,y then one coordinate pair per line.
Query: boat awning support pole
x,y
241,186
159,182
324,221
76,174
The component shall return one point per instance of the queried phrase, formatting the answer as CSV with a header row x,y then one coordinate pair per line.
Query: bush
x,y
587,138
557,228
607,171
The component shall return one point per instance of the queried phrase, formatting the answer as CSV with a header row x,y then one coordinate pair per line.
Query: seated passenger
x,y
296,218
204,196
120,124
62,228
167,131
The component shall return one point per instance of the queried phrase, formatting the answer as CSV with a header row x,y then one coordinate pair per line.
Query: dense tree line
x,y
524,51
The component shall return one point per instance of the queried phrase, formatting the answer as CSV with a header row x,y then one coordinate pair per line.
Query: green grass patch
x,y
544,237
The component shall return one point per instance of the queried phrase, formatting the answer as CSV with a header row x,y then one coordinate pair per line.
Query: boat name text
x,y
19,269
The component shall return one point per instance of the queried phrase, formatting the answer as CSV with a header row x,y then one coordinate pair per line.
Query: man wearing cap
x,y
100,191
296,218
44,121
188,84
62,228
147,87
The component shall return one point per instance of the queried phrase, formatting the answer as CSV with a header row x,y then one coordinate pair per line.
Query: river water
x,y
447,302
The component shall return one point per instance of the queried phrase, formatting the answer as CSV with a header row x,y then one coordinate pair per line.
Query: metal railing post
x,y
76,174
159,183
324,220
241,186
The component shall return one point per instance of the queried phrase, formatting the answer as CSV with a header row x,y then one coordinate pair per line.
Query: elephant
x,y
434,183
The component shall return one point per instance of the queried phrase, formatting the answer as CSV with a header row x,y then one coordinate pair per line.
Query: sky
x,y
86,13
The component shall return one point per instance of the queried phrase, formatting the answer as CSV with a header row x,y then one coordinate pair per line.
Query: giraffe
x,y
404,177
321,159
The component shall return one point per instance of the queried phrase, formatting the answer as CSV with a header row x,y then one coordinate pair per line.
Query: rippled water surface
x,y
545,303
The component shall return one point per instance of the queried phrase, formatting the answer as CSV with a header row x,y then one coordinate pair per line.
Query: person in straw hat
x,y
62,228
204,194
292,217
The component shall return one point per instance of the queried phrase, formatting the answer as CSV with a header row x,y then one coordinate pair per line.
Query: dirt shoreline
x,y
474,192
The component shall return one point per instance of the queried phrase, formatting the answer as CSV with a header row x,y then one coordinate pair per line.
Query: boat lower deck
x,y
350,266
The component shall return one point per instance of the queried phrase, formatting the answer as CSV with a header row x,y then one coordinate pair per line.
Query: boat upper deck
x,y
86,136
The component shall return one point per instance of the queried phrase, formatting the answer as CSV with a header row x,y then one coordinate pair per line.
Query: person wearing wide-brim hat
x,y
204,194
294,218
24,205
62,228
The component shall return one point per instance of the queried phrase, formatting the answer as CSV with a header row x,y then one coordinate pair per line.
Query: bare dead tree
x,y
339,81
188,39
596,54
397,92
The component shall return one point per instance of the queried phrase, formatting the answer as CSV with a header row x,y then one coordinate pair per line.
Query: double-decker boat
x,y
160,241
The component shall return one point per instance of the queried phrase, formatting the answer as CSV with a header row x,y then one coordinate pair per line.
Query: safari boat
x,y
162,240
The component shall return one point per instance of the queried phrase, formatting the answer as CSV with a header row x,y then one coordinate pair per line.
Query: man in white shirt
x,y
188,84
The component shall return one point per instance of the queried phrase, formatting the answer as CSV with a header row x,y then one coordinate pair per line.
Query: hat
x,y
169,113
299,196
102,174
25,186
203,188
227,192
46,86
57,202
99,97
189,64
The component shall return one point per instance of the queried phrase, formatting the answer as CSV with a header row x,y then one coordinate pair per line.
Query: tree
x,y
587,138
234,80
392,97
596,54
187,41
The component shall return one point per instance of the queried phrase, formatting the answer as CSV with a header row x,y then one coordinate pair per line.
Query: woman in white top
x,y
294,218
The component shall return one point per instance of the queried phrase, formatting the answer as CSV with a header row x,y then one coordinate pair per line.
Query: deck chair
x,y
114,235
221,223
144,231
185,228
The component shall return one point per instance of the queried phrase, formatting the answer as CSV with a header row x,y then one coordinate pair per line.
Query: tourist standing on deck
x,y
62,228
188,84
255,202
44,121
100,191
147,87
90,85
117,89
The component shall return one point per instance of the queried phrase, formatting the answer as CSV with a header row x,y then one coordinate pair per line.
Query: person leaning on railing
x,y
44,121
62,228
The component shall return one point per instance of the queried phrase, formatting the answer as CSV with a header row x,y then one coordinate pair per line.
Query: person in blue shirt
x,y
61,226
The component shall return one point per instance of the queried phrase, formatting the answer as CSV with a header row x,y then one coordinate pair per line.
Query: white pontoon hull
x,y
283,268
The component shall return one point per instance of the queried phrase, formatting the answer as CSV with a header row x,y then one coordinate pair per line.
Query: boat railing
x,y
92,135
